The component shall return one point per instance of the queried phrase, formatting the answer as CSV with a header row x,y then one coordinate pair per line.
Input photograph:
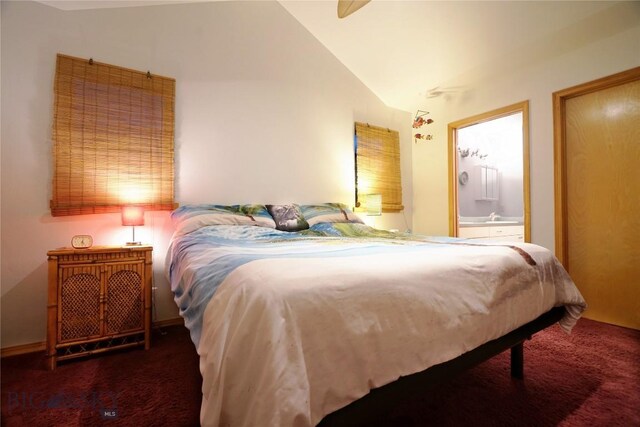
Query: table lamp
x,y
133,215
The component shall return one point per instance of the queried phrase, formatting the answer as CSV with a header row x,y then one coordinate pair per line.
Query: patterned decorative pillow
x,y
189,218
328,212
288,217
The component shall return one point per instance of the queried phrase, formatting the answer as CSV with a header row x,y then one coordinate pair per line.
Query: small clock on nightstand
x,y
81,241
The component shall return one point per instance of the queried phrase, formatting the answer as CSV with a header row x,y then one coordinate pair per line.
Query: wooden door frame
x,y
560,150
453,127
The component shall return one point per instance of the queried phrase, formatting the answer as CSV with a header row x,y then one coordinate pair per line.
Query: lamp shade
x,y
132,215
374,204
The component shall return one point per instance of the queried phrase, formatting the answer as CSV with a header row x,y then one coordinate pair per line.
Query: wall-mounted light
x,y
420,121
133,215
373,204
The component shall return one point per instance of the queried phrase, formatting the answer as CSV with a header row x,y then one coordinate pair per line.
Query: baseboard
x,y
17,350
176,321
23,349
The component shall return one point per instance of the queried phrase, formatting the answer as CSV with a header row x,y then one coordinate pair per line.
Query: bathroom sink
x,y
501,222
481,222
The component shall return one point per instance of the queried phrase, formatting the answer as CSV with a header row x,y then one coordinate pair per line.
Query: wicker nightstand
x,y
99,300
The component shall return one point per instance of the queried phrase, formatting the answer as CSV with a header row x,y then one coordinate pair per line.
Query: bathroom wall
x,y
497,143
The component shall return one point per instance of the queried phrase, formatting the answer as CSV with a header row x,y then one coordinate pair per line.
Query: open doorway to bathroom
x,y
489,175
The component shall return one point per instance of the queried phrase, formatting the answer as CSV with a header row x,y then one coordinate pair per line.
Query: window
x,y
377,152
113,131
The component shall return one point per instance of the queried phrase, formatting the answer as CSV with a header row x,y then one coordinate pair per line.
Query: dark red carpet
x,y
591,378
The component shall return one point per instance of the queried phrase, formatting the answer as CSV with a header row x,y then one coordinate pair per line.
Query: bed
x,y
291,326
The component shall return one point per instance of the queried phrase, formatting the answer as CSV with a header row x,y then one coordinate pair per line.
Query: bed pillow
x,y
288,217
189,218
329,212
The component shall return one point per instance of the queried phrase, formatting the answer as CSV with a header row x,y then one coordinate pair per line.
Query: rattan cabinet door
x,y
79,308
124,308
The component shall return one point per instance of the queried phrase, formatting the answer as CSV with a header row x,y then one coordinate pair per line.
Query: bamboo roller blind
x,y
113,131
378,165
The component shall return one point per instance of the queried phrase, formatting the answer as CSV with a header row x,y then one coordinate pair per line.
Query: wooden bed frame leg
x,y
517,361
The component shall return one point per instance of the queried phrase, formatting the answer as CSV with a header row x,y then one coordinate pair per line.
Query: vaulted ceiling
x,y
409,51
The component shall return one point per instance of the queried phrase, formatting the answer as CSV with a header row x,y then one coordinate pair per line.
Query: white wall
x,y
264,113
595,47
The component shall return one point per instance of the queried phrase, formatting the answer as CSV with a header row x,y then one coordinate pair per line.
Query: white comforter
x,y
288,340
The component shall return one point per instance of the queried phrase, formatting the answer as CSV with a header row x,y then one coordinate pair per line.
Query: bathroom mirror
x,y
487,185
